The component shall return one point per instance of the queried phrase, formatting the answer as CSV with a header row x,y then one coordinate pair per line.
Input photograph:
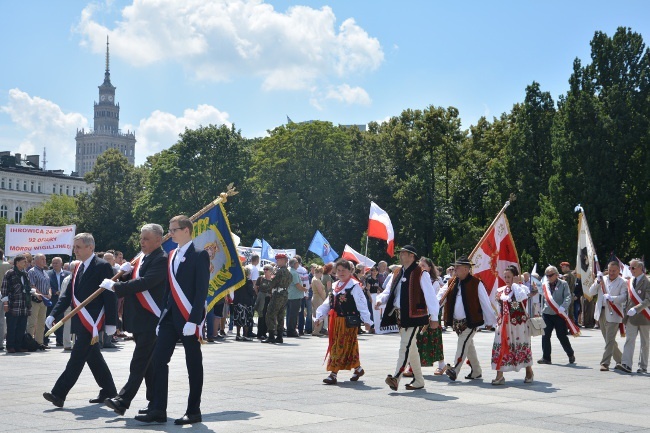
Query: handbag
x,y
536,326
352,321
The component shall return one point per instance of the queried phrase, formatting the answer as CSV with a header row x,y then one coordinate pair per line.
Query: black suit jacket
x,y
53,283
153,277
97,270
193,275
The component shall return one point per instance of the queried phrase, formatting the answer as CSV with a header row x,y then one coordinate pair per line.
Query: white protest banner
x,y
247,253
20,239
376,318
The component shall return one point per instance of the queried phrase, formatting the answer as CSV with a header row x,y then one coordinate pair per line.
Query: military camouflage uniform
x,y
278,304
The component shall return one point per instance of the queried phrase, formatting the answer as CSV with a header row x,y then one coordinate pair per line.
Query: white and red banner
x,y
586,253
495,252
20,239
380,227
353,256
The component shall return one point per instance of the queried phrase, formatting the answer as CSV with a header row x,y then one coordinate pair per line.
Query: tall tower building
x,y
106,133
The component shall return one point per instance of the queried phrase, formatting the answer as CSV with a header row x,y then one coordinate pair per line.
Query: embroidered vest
x,y
471,304
343,303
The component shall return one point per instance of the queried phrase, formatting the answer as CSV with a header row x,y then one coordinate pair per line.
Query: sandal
x,y
358,372
440,371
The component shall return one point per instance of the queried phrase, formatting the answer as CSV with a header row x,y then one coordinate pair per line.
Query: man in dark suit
x,y
86,324
143,290
182,317
57,275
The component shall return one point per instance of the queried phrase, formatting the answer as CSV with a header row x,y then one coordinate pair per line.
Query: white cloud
x,y
349,95
46,125
160,130
220,40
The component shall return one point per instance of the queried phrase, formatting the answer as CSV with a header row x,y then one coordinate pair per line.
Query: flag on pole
x,y
494,253
353,256
626,273
212,233
268,253
322,248
586,253
257,243
380,227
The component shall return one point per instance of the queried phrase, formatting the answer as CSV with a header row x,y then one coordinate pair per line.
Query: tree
x,y
58,210
107,212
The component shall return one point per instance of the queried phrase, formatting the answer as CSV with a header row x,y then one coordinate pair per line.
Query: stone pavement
x,y
253,387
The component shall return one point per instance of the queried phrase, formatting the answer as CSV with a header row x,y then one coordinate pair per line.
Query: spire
x,y
107,73
107,57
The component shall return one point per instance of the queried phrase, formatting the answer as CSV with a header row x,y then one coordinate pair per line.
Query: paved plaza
x,y
252,387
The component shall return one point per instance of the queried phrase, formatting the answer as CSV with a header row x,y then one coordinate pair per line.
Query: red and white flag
x,y
495,252
380,227
353,256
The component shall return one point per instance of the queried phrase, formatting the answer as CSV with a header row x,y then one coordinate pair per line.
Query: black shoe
x,y
99,399
143,411
43,347
188,419
110,346
543,361
152,416
279,339
270,339
59,344
572,359
469,376
116,404
623,367
56,401
451,372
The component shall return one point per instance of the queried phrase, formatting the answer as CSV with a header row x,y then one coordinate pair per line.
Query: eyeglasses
x,y
550,275
172,231
633,267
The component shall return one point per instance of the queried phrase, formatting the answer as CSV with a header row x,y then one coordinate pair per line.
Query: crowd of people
x,y
158,300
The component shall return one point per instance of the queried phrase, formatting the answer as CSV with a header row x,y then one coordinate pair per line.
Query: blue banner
x,y
268,253
321,247
212,234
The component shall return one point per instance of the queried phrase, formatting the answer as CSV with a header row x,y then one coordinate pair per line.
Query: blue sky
x,y
181,64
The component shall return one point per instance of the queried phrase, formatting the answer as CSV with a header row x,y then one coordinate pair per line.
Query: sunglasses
x,y
550,275
632,267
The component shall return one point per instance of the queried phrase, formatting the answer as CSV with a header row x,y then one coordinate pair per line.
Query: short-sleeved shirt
x,y
294,292
39,279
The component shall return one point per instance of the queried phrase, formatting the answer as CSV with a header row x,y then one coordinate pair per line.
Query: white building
x,y
24,185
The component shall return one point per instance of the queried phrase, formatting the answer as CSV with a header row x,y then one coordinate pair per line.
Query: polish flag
x,y
380,227
353,256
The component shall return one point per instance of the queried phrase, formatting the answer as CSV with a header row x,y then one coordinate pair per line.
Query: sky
x,y
183,64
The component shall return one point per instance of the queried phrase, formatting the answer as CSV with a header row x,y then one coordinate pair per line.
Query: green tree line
x,y
441,184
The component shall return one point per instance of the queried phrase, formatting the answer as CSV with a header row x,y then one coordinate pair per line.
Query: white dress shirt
x,y
359,300
429,289
179,254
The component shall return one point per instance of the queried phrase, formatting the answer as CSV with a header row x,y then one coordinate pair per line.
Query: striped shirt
x,y
39,280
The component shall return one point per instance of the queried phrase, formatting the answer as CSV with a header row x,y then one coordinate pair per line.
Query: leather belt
x,y
280,289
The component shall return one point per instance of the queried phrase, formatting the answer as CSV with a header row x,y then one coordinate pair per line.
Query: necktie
x,y
176,262
80,273
634,283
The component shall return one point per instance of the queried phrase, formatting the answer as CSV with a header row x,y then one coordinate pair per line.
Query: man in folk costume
x,y
638,317
86,278
610,310
279,297
411,303
188,273
557,298
142,289
467,308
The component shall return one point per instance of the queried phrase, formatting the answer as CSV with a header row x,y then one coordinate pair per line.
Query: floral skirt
x,y
518,354
344,349
243,315
430,346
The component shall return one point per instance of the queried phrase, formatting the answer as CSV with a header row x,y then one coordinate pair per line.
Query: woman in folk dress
x,y
511,349
345,299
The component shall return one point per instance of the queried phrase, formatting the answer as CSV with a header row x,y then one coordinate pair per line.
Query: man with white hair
x,y
40,283
638,317
142,287
558,297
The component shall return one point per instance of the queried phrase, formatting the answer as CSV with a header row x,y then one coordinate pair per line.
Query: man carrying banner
x,y
638,317
612,295
142,289
86,278
557,298
467,307
187,289
411,303
278,303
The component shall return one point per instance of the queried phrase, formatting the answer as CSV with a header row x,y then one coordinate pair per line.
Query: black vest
x,y
343,303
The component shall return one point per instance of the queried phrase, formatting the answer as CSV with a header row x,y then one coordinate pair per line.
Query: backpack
x,y
29,343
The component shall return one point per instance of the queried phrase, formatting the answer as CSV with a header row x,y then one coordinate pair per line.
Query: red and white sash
x,y
145,298
180,299
91,325
636,299
614,308
555,307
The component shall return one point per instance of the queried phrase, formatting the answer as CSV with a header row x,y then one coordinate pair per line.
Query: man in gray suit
x,y
610,311
561,294
638,318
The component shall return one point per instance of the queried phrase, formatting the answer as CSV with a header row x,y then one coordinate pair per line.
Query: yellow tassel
x,y
94,340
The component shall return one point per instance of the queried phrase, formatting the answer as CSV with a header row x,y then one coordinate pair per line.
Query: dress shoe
x,y
279,339
544,361
391,382
12,350
410,387
623,367
23,350
99,399
188,419
469,376
152,416
451,372
270,339
56,401
330,380
43,347
642,370
116,404
143,411
572,359
358,372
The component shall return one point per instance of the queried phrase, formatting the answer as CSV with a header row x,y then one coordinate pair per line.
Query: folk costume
x,y
346,301
511,349
410,304
467,307
638,322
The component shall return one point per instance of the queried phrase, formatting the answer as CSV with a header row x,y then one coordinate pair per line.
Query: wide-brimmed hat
x,y
409,249
463,260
